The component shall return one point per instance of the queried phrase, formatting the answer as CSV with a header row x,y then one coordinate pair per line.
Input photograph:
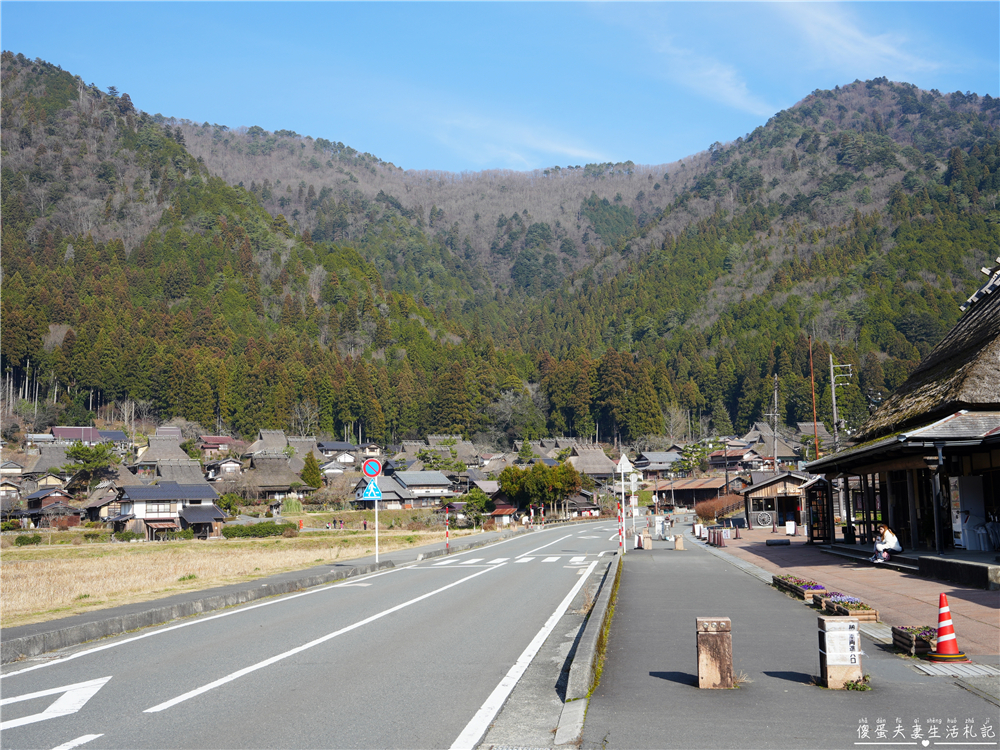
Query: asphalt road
x,y
421,656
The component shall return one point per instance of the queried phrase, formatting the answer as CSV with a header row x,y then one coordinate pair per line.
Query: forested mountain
x,y
245,279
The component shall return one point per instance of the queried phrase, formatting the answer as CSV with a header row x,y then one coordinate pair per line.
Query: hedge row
x,y
267,528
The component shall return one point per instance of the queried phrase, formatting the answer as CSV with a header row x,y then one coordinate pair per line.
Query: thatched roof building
x,y
592,461
961,372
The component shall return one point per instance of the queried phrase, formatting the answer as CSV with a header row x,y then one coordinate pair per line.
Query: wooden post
x,y
911,501
889,498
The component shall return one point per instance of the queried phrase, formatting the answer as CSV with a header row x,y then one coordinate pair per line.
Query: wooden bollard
x,y
678,542
715,652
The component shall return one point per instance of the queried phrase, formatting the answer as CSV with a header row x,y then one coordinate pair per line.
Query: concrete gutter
x,y
582,671
32,644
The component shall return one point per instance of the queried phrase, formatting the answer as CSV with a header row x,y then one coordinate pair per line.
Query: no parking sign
x,y
371,468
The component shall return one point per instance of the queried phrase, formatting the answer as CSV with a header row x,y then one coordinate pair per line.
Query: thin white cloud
x,y
835,38
710,78
519,145
656,27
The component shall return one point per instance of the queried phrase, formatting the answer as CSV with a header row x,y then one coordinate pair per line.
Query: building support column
x,y
888,499
911,501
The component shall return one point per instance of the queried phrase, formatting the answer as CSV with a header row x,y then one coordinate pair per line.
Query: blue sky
x,y
464,86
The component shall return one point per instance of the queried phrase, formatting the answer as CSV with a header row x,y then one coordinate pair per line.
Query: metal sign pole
x,y
372,468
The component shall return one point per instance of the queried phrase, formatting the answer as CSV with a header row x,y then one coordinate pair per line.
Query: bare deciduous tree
x,y
305,418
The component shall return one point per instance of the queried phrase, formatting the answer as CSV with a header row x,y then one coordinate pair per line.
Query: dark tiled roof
x,y
170,491
337,446
422,479
201,514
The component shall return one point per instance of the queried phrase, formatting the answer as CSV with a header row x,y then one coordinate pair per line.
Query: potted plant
x,y
914,639
851,606
800,587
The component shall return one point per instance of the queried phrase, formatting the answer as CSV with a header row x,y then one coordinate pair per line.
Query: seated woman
x,y
885,543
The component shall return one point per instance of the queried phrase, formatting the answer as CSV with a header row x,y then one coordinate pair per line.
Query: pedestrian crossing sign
x,y
372,491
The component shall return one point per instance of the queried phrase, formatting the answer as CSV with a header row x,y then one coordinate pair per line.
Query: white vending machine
x,y
967,512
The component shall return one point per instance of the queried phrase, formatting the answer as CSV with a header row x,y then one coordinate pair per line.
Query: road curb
x,y
14,649
582,670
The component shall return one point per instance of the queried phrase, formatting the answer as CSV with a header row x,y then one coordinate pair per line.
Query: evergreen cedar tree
x,y
187,296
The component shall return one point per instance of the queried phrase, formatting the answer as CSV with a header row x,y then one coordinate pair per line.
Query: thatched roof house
x,y
961,372
592,461
274,478
930,447
161,447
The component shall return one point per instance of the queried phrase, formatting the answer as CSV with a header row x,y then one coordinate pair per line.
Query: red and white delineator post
x,y
447,547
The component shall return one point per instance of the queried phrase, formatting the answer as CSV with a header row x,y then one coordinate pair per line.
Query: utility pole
x,y
834,375
773,414
845,506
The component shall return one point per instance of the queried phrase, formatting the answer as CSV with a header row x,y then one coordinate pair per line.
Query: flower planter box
x,y
791,588
864,615
909,643
810,596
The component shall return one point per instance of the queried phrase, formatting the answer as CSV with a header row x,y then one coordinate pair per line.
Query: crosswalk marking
x,y
572,560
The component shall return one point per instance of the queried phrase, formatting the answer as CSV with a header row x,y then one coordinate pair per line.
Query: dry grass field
x,y
51,581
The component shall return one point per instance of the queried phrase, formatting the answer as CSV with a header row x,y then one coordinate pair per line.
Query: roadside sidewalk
x,y
648,695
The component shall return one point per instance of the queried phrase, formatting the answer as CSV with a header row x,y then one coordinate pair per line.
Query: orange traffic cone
x,y
947,645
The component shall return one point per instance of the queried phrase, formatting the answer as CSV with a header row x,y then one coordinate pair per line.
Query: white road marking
x,y
446,562
613,538
71,699
476,728
577,559
228,613
299,649
78,741
550,559
530,552
472,560
588,537
524,560
348,585
207,618
498,560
